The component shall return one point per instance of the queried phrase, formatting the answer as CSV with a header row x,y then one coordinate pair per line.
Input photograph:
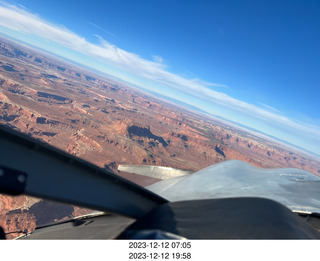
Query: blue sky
x,y
253,62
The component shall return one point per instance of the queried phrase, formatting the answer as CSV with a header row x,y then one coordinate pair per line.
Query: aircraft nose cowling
x,y
297,189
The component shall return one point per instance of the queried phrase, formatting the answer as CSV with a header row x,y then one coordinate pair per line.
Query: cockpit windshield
x,y
160,90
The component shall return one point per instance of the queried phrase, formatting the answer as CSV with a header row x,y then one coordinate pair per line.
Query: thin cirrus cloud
x,y
103,30
18,19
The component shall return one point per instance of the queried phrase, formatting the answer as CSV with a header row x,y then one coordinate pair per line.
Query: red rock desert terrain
x,y
107,122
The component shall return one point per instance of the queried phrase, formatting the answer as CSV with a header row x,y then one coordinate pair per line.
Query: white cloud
x,y
103,30
269,107
157,59
21,20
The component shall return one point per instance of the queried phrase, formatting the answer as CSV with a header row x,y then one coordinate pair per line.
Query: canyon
x,y
108,122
